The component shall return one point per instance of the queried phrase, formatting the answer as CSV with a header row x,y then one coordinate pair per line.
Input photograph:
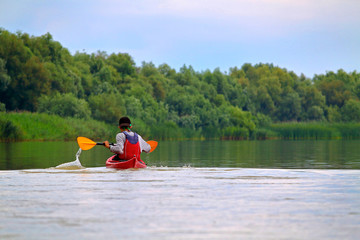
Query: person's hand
x,y
106,144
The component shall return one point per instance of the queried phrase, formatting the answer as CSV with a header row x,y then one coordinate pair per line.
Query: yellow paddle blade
x,y
85,143
153,145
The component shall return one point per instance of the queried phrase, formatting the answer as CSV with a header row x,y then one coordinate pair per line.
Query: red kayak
x,y
120,164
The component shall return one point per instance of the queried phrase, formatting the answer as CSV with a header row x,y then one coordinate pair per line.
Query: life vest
x,y
131,147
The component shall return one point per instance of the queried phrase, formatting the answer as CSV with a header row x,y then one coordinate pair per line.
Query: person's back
x,y
128,144
131,146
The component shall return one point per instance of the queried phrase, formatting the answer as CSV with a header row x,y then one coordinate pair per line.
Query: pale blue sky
x,y
304,36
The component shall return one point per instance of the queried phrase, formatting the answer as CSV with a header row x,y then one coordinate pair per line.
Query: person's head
x,y
124,123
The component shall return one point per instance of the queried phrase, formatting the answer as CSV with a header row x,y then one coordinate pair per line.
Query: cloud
x,y
259,18
233,19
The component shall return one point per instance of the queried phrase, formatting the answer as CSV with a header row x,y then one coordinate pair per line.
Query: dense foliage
x,y
38,74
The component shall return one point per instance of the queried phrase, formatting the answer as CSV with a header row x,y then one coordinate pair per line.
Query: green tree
x,y
107,107
333,88
4,77
65,105
312,101
333,114
167,71
186,76
123,63
351,111
315,113
27,87
97,61
289,108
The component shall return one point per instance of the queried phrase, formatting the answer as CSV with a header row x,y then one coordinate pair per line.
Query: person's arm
x,y
118,147
144,146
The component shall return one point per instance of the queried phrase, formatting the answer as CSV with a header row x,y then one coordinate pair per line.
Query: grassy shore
x,y
315,130
26,126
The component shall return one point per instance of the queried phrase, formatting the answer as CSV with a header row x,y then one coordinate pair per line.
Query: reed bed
x,y
26,126
316,130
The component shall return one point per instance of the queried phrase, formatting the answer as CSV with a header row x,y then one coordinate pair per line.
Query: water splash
x,y
72,165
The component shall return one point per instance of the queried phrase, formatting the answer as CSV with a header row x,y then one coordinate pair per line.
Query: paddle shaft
x,y
99,143
153,144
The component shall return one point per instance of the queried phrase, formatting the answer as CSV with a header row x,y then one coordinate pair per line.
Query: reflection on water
x,y
179,203
234,154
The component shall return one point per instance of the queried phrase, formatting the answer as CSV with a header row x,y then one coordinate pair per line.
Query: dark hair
x,y
124,122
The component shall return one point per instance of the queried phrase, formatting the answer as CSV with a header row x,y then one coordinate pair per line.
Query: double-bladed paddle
x,y
86,143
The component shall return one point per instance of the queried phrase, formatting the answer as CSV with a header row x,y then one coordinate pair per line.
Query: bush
x,y
64,105
262,120
242,119
2,107
9,131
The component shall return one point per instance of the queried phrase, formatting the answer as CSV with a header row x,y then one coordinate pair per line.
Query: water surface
x,y
191,190
180,203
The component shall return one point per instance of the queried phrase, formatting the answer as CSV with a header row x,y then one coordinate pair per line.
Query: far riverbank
x,y
26,126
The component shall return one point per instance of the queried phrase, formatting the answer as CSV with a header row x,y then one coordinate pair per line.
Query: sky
x,y
305,36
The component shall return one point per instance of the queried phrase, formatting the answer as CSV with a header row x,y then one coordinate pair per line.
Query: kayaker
x,y
128,144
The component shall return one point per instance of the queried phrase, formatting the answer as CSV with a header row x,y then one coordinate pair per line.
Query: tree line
x,y
38,74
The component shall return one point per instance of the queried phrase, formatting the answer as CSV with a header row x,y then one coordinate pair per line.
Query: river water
x,y
191,190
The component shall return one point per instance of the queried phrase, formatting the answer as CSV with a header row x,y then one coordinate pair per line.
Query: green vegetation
x,y
27,126
316,130
85,94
